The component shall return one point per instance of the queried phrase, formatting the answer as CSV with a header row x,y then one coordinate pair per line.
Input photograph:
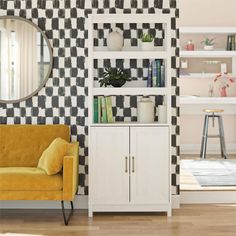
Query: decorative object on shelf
x,y
147,42
208,43
225,79
145,110
190,46
184,64
162,114
210,90
223,68
115,40
231,42
115,77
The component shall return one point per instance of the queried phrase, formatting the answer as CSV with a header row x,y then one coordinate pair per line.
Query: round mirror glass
x,y
25,59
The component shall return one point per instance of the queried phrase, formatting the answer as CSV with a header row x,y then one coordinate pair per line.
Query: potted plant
x,y
115,77
147,42
225,79
208,43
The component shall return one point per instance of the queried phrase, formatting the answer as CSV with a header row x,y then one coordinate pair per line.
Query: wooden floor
x,y
190,220
189,183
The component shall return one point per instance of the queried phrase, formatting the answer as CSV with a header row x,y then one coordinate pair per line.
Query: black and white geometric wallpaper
x,y
63,100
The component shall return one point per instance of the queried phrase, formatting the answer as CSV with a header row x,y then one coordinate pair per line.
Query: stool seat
x,y
213,110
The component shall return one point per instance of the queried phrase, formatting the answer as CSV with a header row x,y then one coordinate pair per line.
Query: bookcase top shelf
x,y
207,30
213,53
129,55
129,91
129,18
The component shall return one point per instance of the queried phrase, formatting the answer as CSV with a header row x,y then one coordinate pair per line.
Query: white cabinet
x,y
129,169
109,175
149,150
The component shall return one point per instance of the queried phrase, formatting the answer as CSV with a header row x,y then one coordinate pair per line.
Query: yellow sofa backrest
x,y
22,145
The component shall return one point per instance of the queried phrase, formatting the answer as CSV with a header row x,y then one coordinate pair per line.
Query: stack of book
x,y
156,74
231,42
102,109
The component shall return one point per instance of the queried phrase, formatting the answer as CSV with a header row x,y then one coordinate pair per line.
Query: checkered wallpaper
x,y
64,100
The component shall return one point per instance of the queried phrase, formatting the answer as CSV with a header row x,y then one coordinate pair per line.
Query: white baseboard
x,y
207,197
80,202
211,148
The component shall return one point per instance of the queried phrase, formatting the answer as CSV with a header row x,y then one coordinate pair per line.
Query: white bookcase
x,y
129,162
215,53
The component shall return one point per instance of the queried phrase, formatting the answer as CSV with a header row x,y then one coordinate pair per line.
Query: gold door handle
x,y
133,164
126,164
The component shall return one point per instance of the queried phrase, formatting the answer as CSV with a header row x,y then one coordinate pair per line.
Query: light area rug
x,y
212,172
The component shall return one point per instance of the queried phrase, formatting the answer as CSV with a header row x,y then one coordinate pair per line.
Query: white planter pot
x,y
147,46
208,47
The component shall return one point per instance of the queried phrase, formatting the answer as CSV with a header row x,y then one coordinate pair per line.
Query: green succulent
x,y
147,38
208,42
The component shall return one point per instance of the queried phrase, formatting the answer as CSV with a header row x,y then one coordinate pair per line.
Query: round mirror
x,y
25,59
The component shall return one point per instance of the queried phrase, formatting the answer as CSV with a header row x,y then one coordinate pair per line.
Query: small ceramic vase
x,y
145,110
190,46
223,92
115,40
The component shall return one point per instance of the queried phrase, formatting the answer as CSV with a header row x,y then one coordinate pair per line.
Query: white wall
x,y
205,13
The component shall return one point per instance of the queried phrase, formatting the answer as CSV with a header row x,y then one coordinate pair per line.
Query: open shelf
x,y
129,91
207,30
129,55
156,124
218,53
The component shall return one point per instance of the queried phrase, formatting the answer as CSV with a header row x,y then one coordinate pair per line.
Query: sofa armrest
x,y
70,172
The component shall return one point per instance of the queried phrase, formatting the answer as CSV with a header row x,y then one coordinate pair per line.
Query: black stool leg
x,y
204,137
67,219
222,138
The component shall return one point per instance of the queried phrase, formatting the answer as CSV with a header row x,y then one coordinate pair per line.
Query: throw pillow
x,y
51,160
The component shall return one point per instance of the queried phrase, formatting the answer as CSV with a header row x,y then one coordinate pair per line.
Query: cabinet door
x,y
109,165
150,171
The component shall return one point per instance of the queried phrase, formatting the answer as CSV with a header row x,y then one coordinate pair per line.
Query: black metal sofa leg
x,y
67,219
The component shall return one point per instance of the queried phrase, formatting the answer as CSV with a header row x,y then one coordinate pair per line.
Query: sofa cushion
x,y
28,178
52,158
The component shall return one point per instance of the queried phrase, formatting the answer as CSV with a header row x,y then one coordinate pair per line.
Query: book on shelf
x,y
99,109
103,110
158,62
149,79
95,110
163,75
156,74
231,42
110,118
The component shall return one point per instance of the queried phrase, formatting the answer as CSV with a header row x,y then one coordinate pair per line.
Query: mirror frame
x,y
44,81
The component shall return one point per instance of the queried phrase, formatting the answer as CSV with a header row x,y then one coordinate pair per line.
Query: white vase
x,y
147,46
115,40
208,47
162,114
145,110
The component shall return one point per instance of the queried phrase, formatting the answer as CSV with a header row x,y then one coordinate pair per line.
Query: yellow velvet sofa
x,y
20,149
